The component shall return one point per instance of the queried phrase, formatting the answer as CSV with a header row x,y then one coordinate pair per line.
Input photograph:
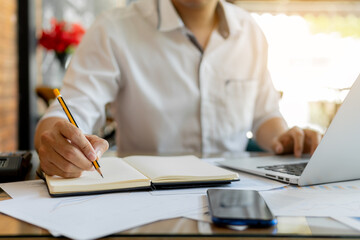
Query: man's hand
x,y
297,141
274,135
64,150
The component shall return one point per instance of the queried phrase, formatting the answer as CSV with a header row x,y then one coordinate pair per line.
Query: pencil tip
x,y
98,170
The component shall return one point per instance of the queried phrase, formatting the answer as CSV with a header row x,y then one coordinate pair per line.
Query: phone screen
x,y
239,207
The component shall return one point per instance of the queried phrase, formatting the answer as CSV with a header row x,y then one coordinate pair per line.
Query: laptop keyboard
x,y
292,169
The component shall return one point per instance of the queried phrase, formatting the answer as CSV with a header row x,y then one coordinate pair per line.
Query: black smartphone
x,y
239,207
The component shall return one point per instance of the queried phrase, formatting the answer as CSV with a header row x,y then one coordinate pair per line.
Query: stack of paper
x,y
95,216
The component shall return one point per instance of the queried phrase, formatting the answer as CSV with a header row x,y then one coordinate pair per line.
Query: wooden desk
x,y
287,227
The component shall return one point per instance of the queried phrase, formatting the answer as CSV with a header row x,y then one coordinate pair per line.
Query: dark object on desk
x,y
239,207
14,165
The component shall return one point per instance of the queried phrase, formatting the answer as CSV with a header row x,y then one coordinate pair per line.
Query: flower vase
x,y
55,73
63,59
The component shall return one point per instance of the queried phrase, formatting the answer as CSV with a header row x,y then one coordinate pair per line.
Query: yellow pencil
x,y
72,120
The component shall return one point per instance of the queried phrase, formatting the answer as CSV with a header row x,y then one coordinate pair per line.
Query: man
x,y
182,76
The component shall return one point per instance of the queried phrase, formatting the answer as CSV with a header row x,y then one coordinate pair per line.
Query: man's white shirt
x,y
167,94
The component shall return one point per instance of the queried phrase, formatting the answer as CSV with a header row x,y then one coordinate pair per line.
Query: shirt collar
x,y
229,22
168,18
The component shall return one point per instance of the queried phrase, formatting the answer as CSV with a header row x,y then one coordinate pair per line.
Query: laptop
x,y
337,157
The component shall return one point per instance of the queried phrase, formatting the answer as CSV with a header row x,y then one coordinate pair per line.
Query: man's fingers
x,y
72,154
100,145
67,166
54,164
51,169
298,141
298,137
77,138
64,153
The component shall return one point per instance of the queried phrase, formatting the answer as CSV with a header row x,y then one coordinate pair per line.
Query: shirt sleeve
x,y
92,79
267,103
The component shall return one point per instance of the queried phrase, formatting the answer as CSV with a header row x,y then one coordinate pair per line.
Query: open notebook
x,y
142,172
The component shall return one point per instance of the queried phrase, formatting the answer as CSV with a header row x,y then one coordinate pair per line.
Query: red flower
x,y
62,37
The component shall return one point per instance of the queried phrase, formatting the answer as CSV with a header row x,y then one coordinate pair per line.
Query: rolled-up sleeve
x,y
92,79
267,102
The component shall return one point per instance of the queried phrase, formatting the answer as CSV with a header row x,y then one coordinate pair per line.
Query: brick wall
x,y
8,76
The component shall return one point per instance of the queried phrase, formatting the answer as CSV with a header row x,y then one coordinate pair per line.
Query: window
x,y
314,55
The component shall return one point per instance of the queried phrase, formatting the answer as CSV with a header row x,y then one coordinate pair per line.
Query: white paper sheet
x,y
202,213
26,189
247,182
337,199
95,216
328,226
353,222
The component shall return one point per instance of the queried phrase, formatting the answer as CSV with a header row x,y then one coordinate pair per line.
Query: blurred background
x,y
314,57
